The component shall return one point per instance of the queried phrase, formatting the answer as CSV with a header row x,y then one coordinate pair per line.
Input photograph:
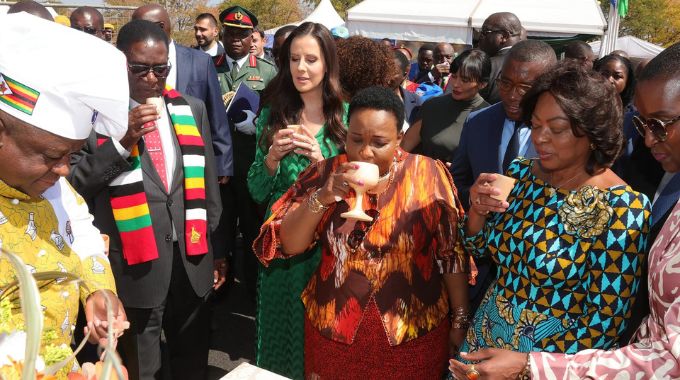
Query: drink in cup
x,y
505,185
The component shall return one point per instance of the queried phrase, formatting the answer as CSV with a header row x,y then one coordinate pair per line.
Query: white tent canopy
x,y
635,47
452,21
422,20
324,14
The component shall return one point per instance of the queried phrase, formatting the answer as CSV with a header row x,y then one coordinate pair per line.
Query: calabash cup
x,y
505,185
369,174
158,102
297,128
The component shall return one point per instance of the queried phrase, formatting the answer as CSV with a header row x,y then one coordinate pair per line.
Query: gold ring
x,y
472,373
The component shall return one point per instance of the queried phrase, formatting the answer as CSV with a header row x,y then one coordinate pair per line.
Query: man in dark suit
x,y
500,31
193,73
153,192
207,34
493,137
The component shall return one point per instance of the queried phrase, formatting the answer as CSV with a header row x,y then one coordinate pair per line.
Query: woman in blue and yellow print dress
x,y
569,243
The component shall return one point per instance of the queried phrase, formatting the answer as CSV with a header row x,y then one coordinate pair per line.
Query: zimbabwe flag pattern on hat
x,y
17,95
238,17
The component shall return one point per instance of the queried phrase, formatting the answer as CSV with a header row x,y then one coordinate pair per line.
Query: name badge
x,y
255,78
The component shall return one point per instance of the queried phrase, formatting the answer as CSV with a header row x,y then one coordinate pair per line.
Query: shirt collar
x,y
7,191
239,62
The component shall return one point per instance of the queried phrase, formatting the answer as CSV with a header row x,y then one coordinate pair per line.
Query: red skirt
x,y
370,356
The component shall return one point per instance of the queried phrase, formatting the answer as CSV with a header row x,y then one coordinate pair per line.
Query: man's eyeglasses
x,y
658,127
361,229
86,29
486,32
507,86
141,70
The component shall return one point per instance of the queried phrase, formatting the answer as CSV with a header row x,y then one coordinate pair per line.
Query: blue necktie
x,y
512,150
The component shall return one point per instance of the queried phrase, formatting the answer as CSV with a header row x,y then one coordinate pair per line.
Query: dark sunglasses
x,y
486,32
141,70
658,128
357,236
86,29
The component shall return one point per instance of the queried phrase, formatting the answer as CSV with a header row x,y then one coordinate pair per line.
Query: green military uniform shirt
x,y
256,73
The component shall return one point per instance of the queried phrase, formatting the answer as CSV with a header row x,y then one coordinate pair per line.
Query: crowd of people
x,y
523,222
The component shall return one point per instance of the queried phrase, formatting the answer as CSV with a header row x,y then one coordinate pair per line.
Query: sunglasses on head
x,y
86,29
141,70
658,128
357,236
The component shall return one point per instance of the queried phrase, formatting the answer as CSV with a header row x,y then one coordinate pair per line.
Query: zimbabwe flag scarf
x,y
128,199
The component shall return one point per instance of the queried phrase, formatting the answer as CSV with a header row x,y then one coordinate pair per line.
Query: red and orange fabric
x,y
400,262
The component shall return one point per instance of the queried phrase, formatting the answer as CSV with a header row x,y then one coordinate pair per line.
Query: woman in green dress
x,y
302,121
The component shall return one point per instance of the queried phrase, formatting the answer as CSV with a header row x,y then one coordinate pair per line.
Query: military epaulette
x,y
252,61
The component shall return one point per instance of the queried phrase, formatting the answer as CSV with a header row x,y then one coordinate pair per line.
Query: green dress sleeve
x,y
260,183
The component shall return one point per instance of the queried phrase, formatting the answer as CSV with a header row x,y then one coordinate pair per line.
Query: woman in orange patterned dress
x,y
378,304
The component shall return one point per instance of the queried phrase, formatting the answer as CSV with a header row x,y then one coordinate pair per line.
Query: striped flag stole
x,y
193,156
131,210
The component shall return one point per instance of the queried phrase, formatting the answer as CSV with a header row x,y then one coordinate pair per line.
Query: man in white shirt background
x,y
207,35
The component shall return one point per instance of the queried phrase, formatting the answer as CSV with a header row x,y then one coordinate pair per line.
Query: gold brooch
x,y
585,212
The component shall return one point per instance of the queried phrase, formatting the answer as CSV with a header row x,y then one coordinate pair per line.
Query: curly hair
x,y
592,105
283,98
629,90
378,98
364,63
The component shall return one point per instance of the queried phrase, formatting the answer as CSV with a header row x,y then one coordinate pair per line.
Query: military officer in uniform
x,y
241,67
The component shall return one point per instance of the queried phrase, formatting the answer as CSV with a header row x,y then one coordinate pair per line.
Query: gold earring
x,y
592,146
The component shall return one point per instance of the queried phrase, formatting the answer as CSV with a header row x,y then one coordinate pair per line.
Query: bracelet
x,y
526,372
314,204
275,162
460,318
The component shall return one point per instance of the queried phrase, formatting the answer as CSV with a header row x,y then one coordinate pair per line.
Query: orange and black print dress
x,y
381,279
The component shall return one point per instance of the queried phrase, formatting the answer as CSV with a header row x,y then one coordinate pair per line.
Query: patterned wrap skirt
x,y
370,356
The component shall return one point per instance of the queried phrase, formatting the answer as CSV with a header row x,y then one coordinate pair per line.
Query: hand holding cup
x,y
305,143
489,193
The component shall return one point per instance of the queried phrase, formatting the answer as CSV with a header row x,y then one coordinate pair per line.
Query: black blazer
x,y
490,92
197,77
146,285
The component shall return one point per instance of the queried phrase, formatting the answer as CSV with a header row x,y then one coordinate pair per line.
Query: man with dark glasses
x,y
500,31
88,20
193,73
154,192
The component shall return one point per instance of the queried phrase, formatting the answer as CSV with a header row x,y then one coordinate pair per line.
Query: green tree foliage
x,y
657,21
182,14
